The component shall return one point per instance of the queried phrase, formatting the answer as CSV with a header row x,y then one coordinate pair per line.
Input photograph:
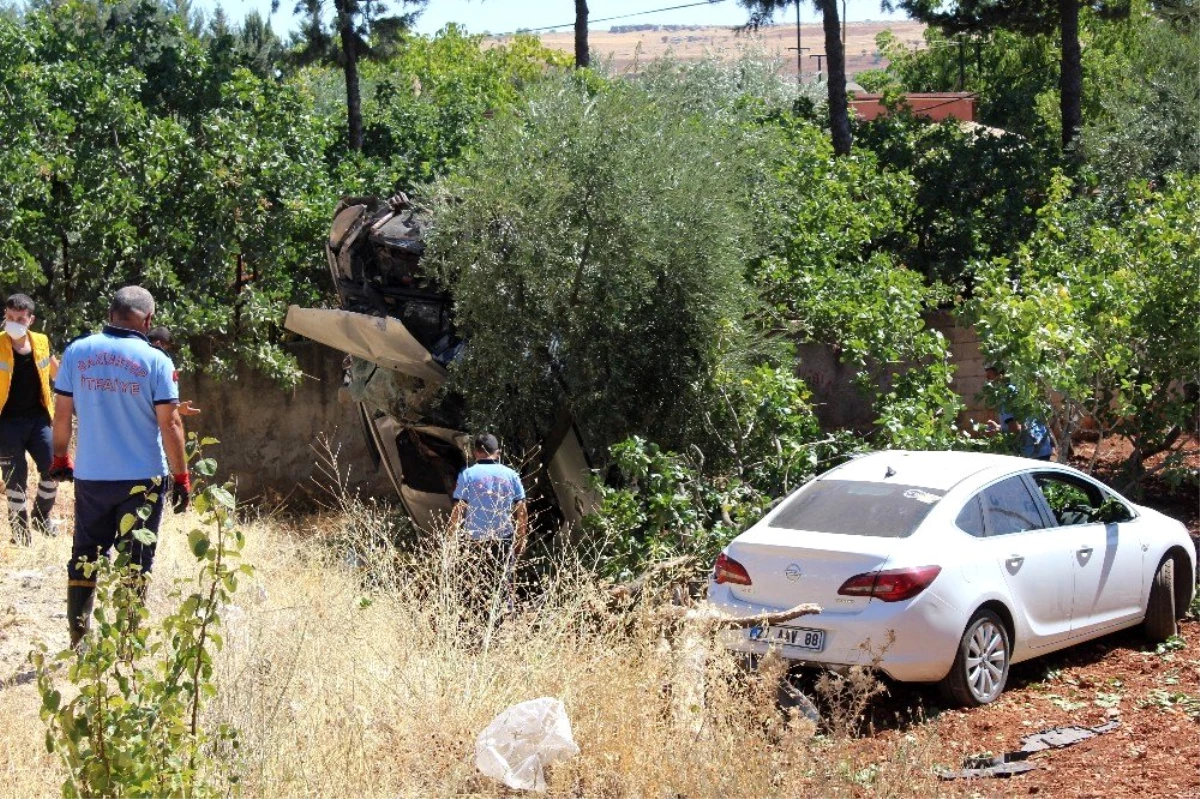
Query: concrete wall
x,y
968,362
271,436
838,402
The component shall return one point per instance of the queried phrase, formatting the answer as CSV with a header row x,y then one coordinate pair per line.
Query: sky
x,y
506,16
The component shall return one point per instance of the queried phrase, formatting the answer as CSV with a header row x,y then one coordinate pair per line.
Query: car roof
x,y
937,470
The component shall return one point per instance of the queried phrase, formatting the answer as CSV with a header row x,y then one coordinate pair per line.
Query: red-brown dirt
x,y
1153,691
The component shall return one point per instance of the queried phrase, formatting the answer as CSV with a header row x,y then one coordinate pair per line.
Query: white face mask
x,y
15,330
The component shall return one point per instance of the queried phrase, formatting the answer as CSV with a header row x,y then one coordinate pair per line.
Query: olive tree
x,y
595,241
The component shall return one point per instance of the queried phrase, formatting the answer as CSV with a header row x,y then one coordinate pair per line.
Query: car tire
x,y
1160,607
980,667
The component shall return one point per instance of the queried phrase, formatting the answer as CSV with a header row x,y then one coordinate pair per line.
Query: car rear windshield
x,y
854,508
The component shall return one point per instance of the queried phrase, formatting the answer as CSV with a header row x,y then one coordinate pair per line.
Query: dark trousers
x,y
492,584
99,507
26,434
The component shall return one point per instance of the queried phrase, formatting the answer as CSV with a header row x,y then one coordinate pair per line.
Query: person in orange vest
x,y
27,368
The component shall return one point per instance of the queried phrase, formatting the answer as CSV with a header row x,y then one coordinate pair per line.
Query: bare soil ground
x,y
1153,691
625,50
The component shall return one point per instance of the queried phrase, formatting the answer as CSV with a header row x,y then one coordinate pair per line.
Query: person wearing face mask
x,y
27,368
124,393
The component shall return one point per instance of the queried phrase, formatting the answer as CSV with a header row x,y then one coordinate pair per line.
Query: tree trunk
x,y
350,54
835,55
581,34
1071,72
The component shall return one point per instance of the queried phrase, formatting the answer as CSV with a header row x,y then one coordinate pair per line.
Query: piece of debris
x,y
524,739
1011,763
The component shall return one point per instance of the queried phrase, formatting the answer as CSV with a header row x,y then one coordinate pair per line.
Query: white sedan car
x,y
951,566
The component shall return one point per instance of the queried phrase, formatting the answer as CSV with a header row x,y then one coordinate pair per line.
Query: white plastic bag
x,y
524,739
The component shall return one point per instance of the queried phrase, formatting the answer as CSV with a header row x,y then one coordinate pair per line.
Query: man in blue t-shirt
x,y
1033,437
490,500
125,395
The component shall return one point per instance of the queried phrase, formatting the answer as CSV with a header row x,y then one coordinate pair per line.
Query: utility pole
x,y
820,60
799,48
843,26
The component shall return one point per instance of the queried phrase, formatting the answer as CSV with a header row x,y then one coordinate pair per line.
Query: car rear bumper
x,y
911,641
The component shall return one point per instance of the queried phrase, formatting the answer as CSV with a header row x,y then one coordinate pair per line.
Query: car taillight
x,y
728,570
892,585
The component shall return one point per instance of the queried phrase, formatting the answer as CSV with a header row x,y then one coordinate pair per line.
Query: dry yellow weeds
x,y
367,680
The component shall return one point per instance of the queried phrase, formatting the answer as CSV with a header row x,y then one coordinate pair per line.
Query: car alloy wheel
x,y
987,660
980,668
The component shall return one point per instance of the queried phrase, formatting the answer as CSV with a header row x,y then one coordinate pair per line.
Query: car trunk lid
x,y
788,568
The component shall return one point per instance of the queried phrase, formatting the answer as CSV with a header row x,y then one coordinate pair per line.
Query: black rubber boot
x,y
80,600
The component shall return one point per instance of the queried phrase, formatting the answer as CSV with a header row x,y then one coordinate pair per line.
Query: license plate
x,y
790,636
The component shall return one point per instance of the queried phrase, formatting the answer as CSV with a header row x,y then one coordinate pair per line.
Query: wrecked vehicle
x,y
397,330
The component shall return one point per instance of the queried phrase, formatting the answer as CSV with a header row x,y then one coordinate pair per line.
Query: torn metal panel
x,y
398,327
379,339
569,472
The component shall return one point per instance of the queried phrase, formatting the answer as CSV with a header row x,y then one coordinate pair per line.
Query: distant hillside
x,y
622,43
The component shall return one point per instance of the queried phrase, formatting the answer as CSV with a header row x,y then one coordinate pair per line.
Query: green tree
x,y
1028,17
829,276
427,105
358,30
1147,123
1098,317
976,191
762,11
568,237
210,194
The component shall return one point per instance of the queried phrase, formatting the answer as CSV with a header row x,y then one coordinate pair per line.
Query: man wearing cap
x,y
27,368
124,393
489,510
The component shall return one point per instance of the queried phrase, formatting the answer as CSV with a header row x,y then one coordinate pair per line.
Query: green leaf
x,y
145,536
127,523
222,496
198,542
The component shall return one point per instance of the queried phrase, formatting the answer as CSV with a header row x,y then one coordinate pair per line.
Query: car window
x,y
1008,507
1076,501
970,518
851,507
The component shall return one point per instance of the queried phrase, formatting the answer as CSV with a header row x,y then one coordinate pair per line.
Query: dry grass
x,y
369,678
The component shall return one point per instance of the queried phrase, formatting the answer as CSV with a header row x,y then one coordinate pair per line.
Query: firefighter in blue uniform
x,y
130,439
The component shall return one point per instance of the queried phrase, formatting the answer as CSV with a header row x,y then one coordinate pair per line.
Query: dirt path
x,y
32,601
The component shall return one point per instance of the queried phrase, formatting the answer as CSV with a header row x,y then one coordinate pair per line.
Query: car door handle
x,y
1014,561
1085,551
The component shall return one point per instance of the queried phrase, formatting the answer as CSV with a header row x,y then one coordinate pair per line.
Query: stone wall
x,y
271,437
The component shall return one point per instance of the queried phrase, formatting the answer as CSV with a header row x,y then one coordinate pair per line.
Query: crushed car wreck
x,y
397,330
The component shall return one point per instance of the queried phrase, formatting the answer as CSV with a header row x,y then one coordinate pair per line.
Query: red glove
x,y
61,468
181,492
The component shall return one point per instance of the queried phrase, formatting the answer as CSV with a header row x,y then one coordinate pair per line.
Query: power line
x,y
620,16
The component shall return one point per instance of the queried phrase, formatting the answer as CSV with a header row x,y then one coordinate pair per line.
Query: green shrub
x,y
134,727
